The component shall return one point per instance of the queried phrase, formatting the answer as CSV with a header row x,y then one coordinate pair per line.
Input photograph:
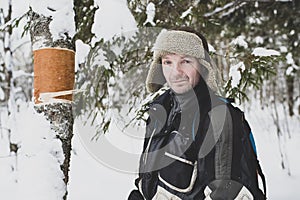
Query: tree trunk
x,y
57,108
84,19
6,67
290,94
6,85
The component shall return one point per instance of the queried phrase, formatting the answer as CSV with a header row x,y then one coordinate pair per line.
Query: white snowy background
x,y
89,178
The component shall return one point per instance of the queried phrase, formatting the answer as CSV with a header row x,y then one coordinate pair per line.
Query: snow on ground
x,y
35,171
90,179
279,184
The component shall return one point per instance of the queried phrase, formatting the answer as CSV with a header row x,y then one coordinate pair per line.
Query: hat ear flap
x,y
155,78
213,78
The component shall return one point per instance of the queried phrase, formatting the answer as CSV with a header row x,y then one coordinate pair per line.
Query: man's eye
x,y
167,62
186,61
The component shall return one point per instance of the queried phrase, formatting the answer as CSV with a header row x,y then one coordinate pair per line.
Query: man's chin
x,y
181,89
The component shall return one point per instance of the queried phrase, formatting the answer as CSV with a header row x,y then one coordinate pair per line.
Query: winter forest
x,y
77,132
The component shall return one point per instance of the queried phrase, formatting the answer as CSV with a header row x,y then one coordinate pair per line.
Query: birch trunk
x,y
59,113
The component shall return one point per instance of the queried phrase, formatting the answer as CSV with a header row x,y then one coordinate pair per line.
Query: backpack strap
x,y
252,142
258,167
263,179
247,128
224,147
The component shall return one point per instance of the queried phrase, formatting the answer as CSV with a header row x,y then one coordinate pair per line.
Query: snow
x,y
112,18
211,48
4,149
82,51
61,12
39,43
289,70
260,51
219,9
63,20
58,10
150,11
253,20
33,174
290,61
296,43
240,41
232,9
39,157
7,59
259,40
100,60
92,180
2,94
186,13
269,146
235,73
292,32
19,73
4,5
283,49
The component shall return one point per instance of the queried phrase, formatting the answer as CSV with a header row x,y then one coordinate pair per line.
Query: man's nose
x,y
178,67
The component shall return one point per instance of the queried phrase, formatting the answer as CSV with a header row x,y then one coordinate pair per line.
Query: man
x,y
196,146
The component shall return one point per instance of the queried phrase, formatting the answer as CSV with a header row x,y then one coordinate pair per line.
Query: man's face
x,y
181,72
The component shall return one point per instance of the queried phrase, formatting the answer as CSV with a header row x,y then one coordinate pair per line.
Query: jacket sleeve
x,y
137,194
223,186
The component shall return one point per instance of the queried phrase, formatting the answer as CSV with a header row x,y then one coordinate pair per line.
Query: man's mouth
x,y
179,81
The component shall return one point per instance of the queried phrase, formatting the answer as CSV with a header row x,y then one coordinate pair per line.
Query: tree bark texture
x,y
58,113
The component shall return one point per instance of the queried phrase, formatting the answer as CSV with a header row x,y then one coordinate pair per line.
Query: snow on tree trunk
x,y
56,109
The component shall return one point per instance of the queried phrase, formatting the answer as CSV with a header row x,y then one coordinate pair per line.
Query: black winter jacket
x,y
202,152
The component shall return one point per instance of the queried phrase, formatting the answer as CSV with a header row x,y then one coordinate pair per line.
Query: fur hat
x,y
179,42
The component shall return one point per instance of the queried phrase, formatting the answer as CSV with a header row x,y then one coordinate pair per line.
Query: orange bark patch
x,y
54,71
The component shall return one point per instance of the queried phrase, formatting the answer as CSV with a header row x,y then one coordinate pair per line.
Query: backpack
x,y
248,148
